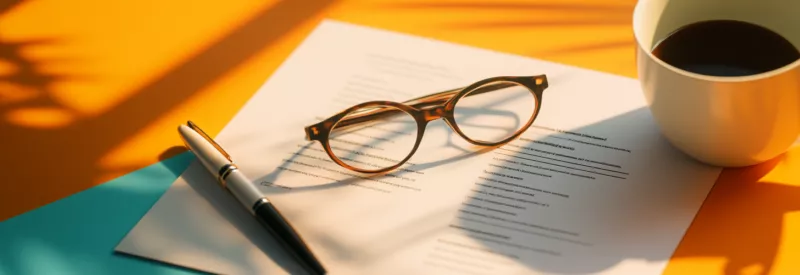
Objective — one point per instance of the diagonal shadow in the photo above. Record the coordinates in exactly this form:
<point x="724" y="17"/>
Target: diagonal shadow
<point x="622" y="22"/>
<point x="613" y="44"/>
<point x="498" y="5"/>
<point x="577" y="14"/>
<point x="742" y="211"/>
<point x="85" y="142"/>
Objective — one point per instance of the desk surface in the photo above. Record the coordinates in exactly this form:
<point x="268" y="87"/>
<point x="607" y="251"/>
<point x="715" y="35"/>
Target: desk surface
<point x="91" y="90"/>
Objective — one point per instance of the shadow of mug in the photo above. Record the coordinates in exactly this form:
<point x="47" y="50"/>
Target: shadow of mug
<point x="728" y="121"/>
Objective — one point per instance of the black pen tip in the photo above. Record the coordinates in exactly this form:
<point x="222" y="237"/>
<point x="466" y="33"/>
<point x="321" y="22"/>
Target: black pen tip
<point x="317" y="268"/>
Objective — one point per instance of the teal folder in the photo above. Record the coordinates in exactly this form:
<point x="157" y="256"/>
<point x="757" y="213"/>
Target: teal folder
<point x="77" y="234"/>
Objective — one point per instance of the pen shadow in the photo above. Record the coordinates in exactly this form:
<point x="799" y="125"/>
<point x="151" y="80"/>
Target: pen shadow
<point x="170" y="153"/>
<point x="194" y="233"/>
<point x="228" y="207"/>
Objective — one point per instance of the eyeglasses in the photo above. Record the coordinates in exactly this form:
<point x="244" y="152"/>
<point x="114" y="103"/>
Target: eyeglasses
<point x="379" y="136"/>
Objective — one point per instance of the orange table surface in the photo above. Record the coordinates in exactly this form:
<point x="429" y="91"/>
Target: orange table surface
<point x="91" y="90"/>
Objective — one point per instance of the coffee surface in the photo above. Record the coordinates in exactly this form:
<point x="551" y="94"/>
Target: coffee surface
<point x="726" y="48"/>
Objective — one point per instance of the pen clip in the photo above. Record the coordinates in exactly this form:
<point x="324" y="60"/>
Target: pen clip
<point x="209" y="139"/>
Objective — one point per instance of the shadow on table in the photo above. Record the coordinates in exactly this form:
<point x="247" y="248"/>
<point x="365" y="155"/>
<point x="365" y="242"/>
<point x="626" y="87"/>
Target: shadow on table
<point x="545" y="14"/>
<point x="742" y="220"/>
<point x="25" y="94"/>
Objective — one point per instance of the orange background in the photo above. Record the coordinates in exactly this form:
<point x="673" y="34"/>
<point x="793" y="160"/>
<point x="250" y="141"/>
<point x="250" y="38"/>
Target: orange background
<point x="91" y="90"/>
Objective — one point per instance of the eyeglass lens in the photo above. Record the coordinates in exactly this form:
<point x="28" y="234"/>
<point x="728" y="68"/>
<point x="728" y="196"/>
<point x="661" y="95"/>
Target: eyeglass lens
<point x="377" y="143"/>
<point x="496" y="115"/>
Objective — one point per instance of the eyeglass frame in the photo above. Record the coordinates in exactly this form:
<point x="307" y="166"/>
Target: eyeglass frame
<point x="425" y="109"/>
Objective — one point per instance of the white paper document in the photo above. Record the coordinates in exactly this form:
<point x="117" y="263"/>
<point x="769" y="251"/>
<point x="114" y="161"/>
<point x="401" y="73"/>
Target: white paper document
<point x="591" y="187"/>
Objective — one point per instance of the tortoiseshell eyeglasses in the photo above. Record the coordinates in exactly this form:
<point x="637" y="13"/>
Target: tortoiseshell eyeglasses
<point x="379" y="136"/>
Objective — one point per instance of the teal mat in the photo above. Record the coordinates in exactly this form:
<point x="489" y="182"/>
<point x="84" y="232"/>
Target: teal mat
<point x="77" y="234"/>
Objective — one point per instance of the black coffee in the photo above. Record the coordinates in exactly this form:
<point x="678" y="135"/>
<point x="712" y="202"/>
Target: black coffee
<point x="726" y="48"/>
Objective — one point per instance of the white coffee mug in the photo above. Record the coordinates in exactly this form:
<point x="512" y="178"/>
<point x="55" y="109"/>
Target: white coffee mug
<point x="721" y="121"/>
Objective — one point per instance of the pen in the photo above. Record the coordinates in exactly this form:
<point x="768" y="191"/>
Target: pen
<point x="219" y="164"/>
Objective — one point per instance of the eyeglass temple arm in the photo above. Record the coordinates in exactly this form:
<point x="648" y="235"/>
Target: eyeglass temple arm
<point x="435" y="99"/>
<point x="442" y="97"/>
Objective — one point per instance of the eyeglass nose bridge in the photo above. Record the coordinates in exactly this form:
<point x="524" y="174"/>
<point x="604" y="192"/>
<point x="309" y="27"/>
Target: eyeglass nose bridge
<point x="434" y="113"/>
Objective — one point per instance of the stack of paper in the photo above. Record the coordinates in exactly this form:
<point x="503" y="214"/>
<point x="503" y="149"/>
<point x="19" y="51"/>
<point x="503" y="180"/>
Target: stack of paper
<point x="592" y="187"/>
